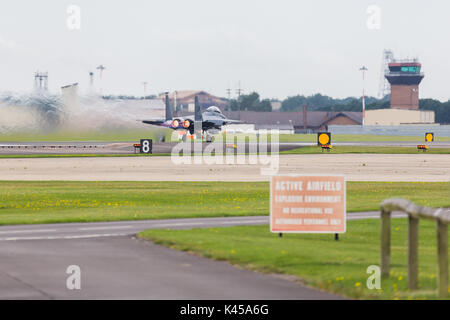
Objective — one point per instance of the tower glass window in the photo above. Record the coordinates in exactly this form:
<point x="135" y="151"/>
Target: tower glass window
<point x="410" y="69"/>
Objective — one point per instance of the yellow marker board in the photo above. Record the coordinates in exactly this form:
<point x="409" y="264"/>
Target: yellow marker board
<point x="323" y="138"/>
<point x="429" y="137"/>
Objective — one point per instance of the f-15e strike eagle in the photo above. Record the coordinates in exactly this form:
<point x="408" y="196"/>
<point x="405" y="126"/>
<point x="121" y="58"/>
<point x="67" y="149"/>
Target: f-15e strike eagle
<point x="212" y="119"/>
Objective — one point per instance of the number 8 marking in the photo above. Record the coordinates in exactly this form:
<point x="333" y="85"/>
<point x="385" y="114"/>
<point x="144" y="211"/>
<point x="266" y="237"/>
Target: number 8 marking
<point x="146" y="146"/>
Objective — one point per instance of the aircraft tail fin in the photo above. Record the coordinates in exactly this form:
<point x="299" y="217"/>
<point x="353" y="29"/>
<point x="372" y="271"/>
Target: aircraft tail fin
<point x="168" y="108"/>
<point x="198" y="112"/>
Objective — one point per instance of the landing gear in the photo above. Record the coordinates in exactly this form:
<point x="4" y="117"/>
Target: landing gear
<point x="202" y="136"/>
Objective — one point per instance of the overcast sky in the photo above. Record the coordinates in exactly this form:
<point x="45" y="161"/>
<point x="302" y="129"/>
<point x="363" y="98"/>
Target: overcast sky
<point x="277" y="48"/>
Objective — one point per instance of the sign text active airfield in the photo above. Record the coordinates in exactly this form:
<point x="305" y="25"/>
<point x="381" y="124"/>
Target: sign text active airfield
<point x="308" y="204"/>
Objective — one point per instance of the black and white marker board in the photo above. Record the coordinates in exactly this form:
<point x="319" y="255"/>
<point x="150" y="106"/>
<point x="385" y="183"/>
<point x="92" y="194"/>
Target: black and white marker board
<point x="146" y="145"/>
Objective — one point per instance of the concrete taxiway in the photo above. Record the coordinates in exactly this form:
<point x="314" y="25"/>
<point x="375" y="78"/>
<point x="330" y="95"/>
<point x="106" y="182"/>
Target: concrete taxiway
<point x="421" y="167"/>
<point x="116" y="265"/>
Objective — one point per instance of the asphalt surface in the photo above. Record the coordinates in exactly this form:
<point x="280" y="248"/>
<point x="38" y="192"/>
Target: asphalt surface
<point x="116" y="265"/>
<point x="117" y="148"/>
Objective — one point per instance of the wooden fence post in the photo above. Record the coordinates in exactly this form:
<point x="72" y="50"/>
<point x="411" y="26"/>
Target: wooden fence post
<point x="385" y="242"/>
<point x="415" y="213"/>
<point x="413" y="246"/>
<point x="442" y="239"/>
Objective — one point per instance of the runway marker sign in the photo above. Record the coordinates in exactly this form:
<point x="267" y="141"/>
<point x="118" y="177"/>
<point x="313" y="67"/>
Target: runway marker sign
<point x="308" y="204"/>
<point x="323" y="138"/>
<point x="146" y="145"/>
<point x="429" y="137"/>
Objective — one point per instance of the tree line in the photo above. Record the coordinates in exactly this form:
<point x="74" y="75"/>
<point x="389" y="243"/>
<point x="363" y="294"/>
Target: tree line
<point x="250" y="102"/>
<point x="320" y="102"/>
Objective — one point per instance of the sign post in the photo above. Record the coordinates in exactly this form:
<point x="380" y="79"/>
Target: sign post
<point x="308" y="204"/>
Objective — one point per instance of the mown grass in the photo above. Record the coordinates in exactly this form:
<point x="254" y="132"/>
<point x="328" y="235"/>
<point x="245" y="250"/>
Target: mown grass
<point x="28" y="202"/>
<point x="365" y="150"/>
<point x="302" y="150"/>
<point x="125" y="135"/>
<point x="119" y="135"/>
<point x="317" y="260"/>
<point x="341" y="138"/>
<point x="100" y="155"/>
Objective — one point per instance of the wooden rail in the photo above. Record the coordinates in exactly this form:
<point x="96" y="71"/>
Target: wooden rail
<point x="442" y="218"/>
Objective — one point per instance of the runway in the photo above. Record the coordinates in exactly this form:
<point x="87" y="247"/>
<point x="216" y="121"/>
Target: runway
<point x="121" y="148"/>
<point x="116" y="265"/>
<point x="421" y="167"/>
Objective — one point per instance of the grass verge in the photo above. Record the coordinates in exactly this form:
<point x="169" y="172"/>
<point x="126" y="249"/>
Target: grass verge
<point x="317" y="260"/>
<point x="31" y="202"/>
<point x="126" y="135"/>
<point x="120" y="135"/>
<point x="342" y="138"/>
<point x="365" y="150"/>
<point x="99" y="155"/>
<point x="302" y="150"/>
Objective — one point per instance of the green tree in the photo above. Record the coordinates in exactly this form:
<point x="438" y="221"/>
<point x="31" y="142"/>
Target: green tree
<point x="251" y="102"/>
<point x="441" y="109"/>
<point x="265" y="105"/>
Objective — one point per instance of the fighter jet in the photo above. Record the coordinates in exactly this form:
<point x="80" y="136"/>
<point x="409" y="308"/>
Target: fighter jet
<point x="211" y="120"/>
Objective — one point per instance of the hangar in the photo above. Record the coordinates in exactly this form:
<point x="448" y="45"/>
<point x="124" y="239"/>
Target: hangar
<point x="299" y="122"/>
<point x="184" y="100"/>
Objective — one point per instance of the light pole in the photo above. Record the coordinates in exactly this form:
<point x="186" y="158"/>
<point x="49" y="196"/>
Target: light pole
<point x="145" y="83"/>
<point x="363" y="69"/>
<point x="101" y="68"/>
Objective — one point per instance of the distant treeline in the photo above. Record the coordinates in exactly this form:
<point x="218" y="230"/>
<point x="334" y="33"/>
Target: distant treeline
<point x="320" y="102"/>
<point x="250" y="102"/>
<point x="442" y="109"/>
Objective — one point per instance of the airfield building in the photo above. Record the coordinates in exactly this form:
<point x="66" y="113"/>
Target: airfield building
<point x="298" y="122"/>
<point x="183" y="100"/>
<point x="404" y="77"/>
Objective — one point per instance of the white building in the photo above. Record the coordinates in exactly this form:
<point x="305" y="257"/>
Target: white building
<point x="394" y="117"/>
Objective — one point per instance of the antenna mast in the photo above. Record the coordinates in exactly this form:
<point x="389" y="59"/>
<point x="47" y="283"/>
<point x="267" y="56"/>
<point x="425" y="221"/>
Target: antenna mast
<point x="41" y="81"/>
<point x="385" y="87"/>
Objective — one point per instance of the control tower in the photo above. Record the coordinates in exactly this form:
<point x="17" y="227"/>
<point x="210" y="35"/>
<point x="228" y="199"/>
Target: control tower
<point x="404" y="77"/>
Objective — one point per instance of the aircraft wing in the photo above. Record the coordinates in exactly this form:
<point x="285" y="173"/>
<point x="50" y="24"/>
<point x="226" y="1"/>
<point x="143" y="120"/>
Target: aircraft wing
<point x="229" y="121"/>
<point x="153" y="122"/>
